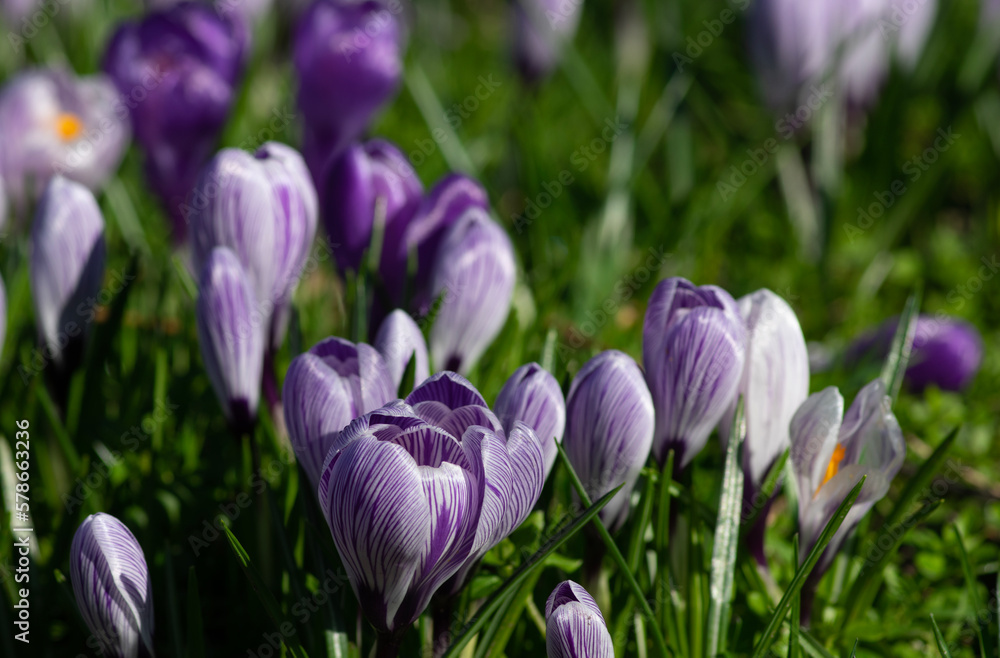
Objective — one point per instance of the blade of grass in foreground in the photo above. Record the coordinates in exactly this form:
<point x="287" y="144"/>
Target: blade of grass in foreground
<point x="727" y="534"/>
<point x="942" y="647"/>
<point x="902" y="342"/>
<point x="794" y="625"/>
<point x="970" y="583"/>
<point x="803" y="572"/>
<point x="536" y="562"/>
<point x="637" y="594"/>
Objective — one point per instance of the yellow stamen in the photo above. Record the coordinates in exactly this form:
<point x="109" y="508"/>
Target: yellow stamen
<point x="832" y="467"/>
<point x="68" y="126"/>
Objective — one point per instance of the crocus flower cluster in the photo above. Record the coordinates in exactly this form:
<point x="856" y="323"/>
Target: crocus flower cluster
<point x="177" y="71"/>
<point x="574" y="625"/>
<point x="419" y="490"/>
<point x="52" y="122"/>
<point x="111" y="582"/>
<point x="539" y="28"/>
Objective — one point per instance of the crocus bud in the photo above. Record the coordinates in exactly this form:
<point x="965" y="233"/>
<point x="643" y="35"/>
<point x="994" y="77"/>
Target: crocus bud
<point x="399" y="341"/>
<point x="830" y="453"/>
<point x="418" y="490"/>
<point x="263" y="207"/>
<point x="232" y="344"/>
<point x="325" y="389"/>
<point x="52" y="122"/>
<point x="359" y="178"/>
<point x="177" y="70"/>
<point x="533" y="396"/>
<point x="473" y="279"/>
<point x="609" y="429"/>
<point x="540" y="27"/>
<point x="693" y="345"/>
<point x="574" y="625"/>
<point x="947" y="352"/>
<point x="67" y="267"/>
<point x="112" y="587"/>
<point x="348" y="60"/>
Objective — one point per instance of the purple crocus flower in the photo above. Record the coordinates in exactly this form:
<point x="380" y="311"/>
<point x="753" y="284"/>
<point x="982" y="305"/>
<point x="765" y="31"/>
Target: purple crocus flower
<point x="947" y="352"/>
<point x="533" y="396"/>
<point x="349" y="63"/>
<point x="263" y="207"/>
<point x="67" y="267"/>
<point x="417" y="490"/>
<point x="52" y="122"/>
<point x="399" y="341"/>
<point x="325" y="389"/>
<point x="693" y="347"/>
<point x="831" y="451"/>
<point x="112" y="587"/>
<point x="177" y="71"/>
<point x="540" y="27"/>
<point x="232" y="344"/>
<point x="473" y="279"/>
<point x="574" y="625"/>
<point x="609" y="429"/>
<point x="363" y="175"/>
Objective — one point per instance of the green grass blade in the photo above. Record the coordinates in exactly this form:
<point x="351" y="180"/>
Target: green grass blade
<point x="970" y="583"/>
<point x="942" y="647"/>
<point x="803" y="572"/>
<point x="637" y="538"/>
<point x="420" y="87"/>
<point x="794" y="627"/>
<point x="923" y="477"/>
<point x="337" y="645"/>
<point x="727" y="533"/>
<point x="496" y="645"/>
<point x="902" y="342"/>
<point x="536" y="562"/>
<point x="263" y="593"/>
<point x="195" y="631"/>
<point x="767" y="489"/>
<point x="654" y="627"/>
<point x="854" y="651"/>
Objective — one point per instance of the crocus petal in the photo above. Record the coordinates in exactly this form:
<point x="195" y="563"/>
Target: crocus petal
<point x="112" y="587"/>
<point x="399" y="341"/>
<point x="609" y="429"/>
<point x="528" y="464"/>
<point x="870" y="433"/>
<point x="574" y="624"/>
<point x="232" y="344"/>
<point x="473" y="277"/>
<point x="486" y="448"/>
<point x="814" y="430"/>
<point x="449" y="388"/>
<point x="67" y="261"/>
<point x="539" y="28"/>
<point x="533" y="396"/>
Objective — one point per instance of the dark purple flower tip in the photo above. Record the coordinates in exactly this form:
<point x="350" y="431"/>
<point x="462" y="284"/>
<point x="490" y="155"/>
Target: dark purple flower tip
<point x="539" y="28"/>
<point x="349" y="63"/>
<point x="112" y="586"/>
<point x="575" y="625"/>
<point x="366" y="174"/>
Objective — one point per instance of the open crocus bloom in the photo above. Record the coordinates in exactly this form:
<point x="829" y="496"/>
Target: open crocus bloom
<point x="420" y="489"/>
<point x="831" y="455"/>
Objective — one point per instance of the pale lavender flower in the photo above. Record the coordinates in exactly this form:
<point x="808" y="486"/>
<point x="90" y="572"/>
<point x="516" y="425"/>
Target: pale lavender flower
<point x="540" y="27"/>
<point x="533" y="396"/>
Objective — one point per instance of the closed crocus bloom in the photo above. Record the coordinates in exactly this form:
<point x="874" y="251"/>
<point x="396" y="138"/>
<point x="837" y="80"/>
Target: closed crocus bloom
<point x="52" y="122"/>
<point x="693" y="348"/>
<point x="473" y="276"/>
<point x="67" y="267"/>
<point x="417" y="490"/>
<point x="263" y="207"/>
<point x="177" y="71"/>
<point x="574" y="625"/>
<point x="399" y="341"/>
<point x="609" y="429"/>
<point x="111" y="582"/>
<point x="232" y="344"/>
<point x="363" y="175"/>
<point x="830" y="453"/>
<point x="533" y="396"/>
<point x="540" y="27"/>
<point x="325" y="389"/>
<point x="348" y="60"/>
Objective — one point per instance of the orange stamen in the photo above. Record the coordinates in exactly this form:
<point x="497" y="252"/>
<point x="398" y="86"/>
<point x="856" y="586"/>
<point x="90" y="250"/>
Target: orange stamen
<point x="68" y="126"/>
<point x="832" y="467"/>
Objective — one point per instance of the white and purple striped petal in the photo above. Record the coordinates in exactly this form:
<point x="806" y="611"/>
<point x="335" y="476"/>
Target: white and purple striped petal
<point x="67" y="263"/>
<point x="693" y="345"/>
<point x="609" y="429"/>
<point x="533" y="396"/>
<point x="574" y="625"/>
<point x="112" y="587"/>
<point x="325" y="389"/>
<point x="399" y="341"/>
<point x="473" y="282"/>
<point x="232" y="342"/>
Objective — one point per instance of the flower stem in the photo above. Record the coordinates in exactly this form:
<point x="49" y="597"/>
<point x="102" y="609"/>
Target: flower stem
<point x="388" y="645"/>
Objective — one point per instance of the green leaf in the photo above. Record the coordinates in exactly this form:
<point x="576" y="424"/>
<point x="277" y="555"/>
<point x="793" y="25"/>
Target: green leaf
<point x="854" y="651"/>
<point x="495" y="646"/>
<point x="942" y="647"/>
<point x="803" y="571"/>
<point x="794" y="622"/>
<point x="923" y="477"/>
<point x="902" y="342"/>
<point x="408" y="381"/>
<point x="970" y="583"/>
<point x="337" y="645"/>
<point x="263" y="593"/>
<point x="767" y="489"/>
<point x="536" y="562"/>
<point x="195" y="632"/>
<point x="616" y="555"/>
<point x="727" y="533"/>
